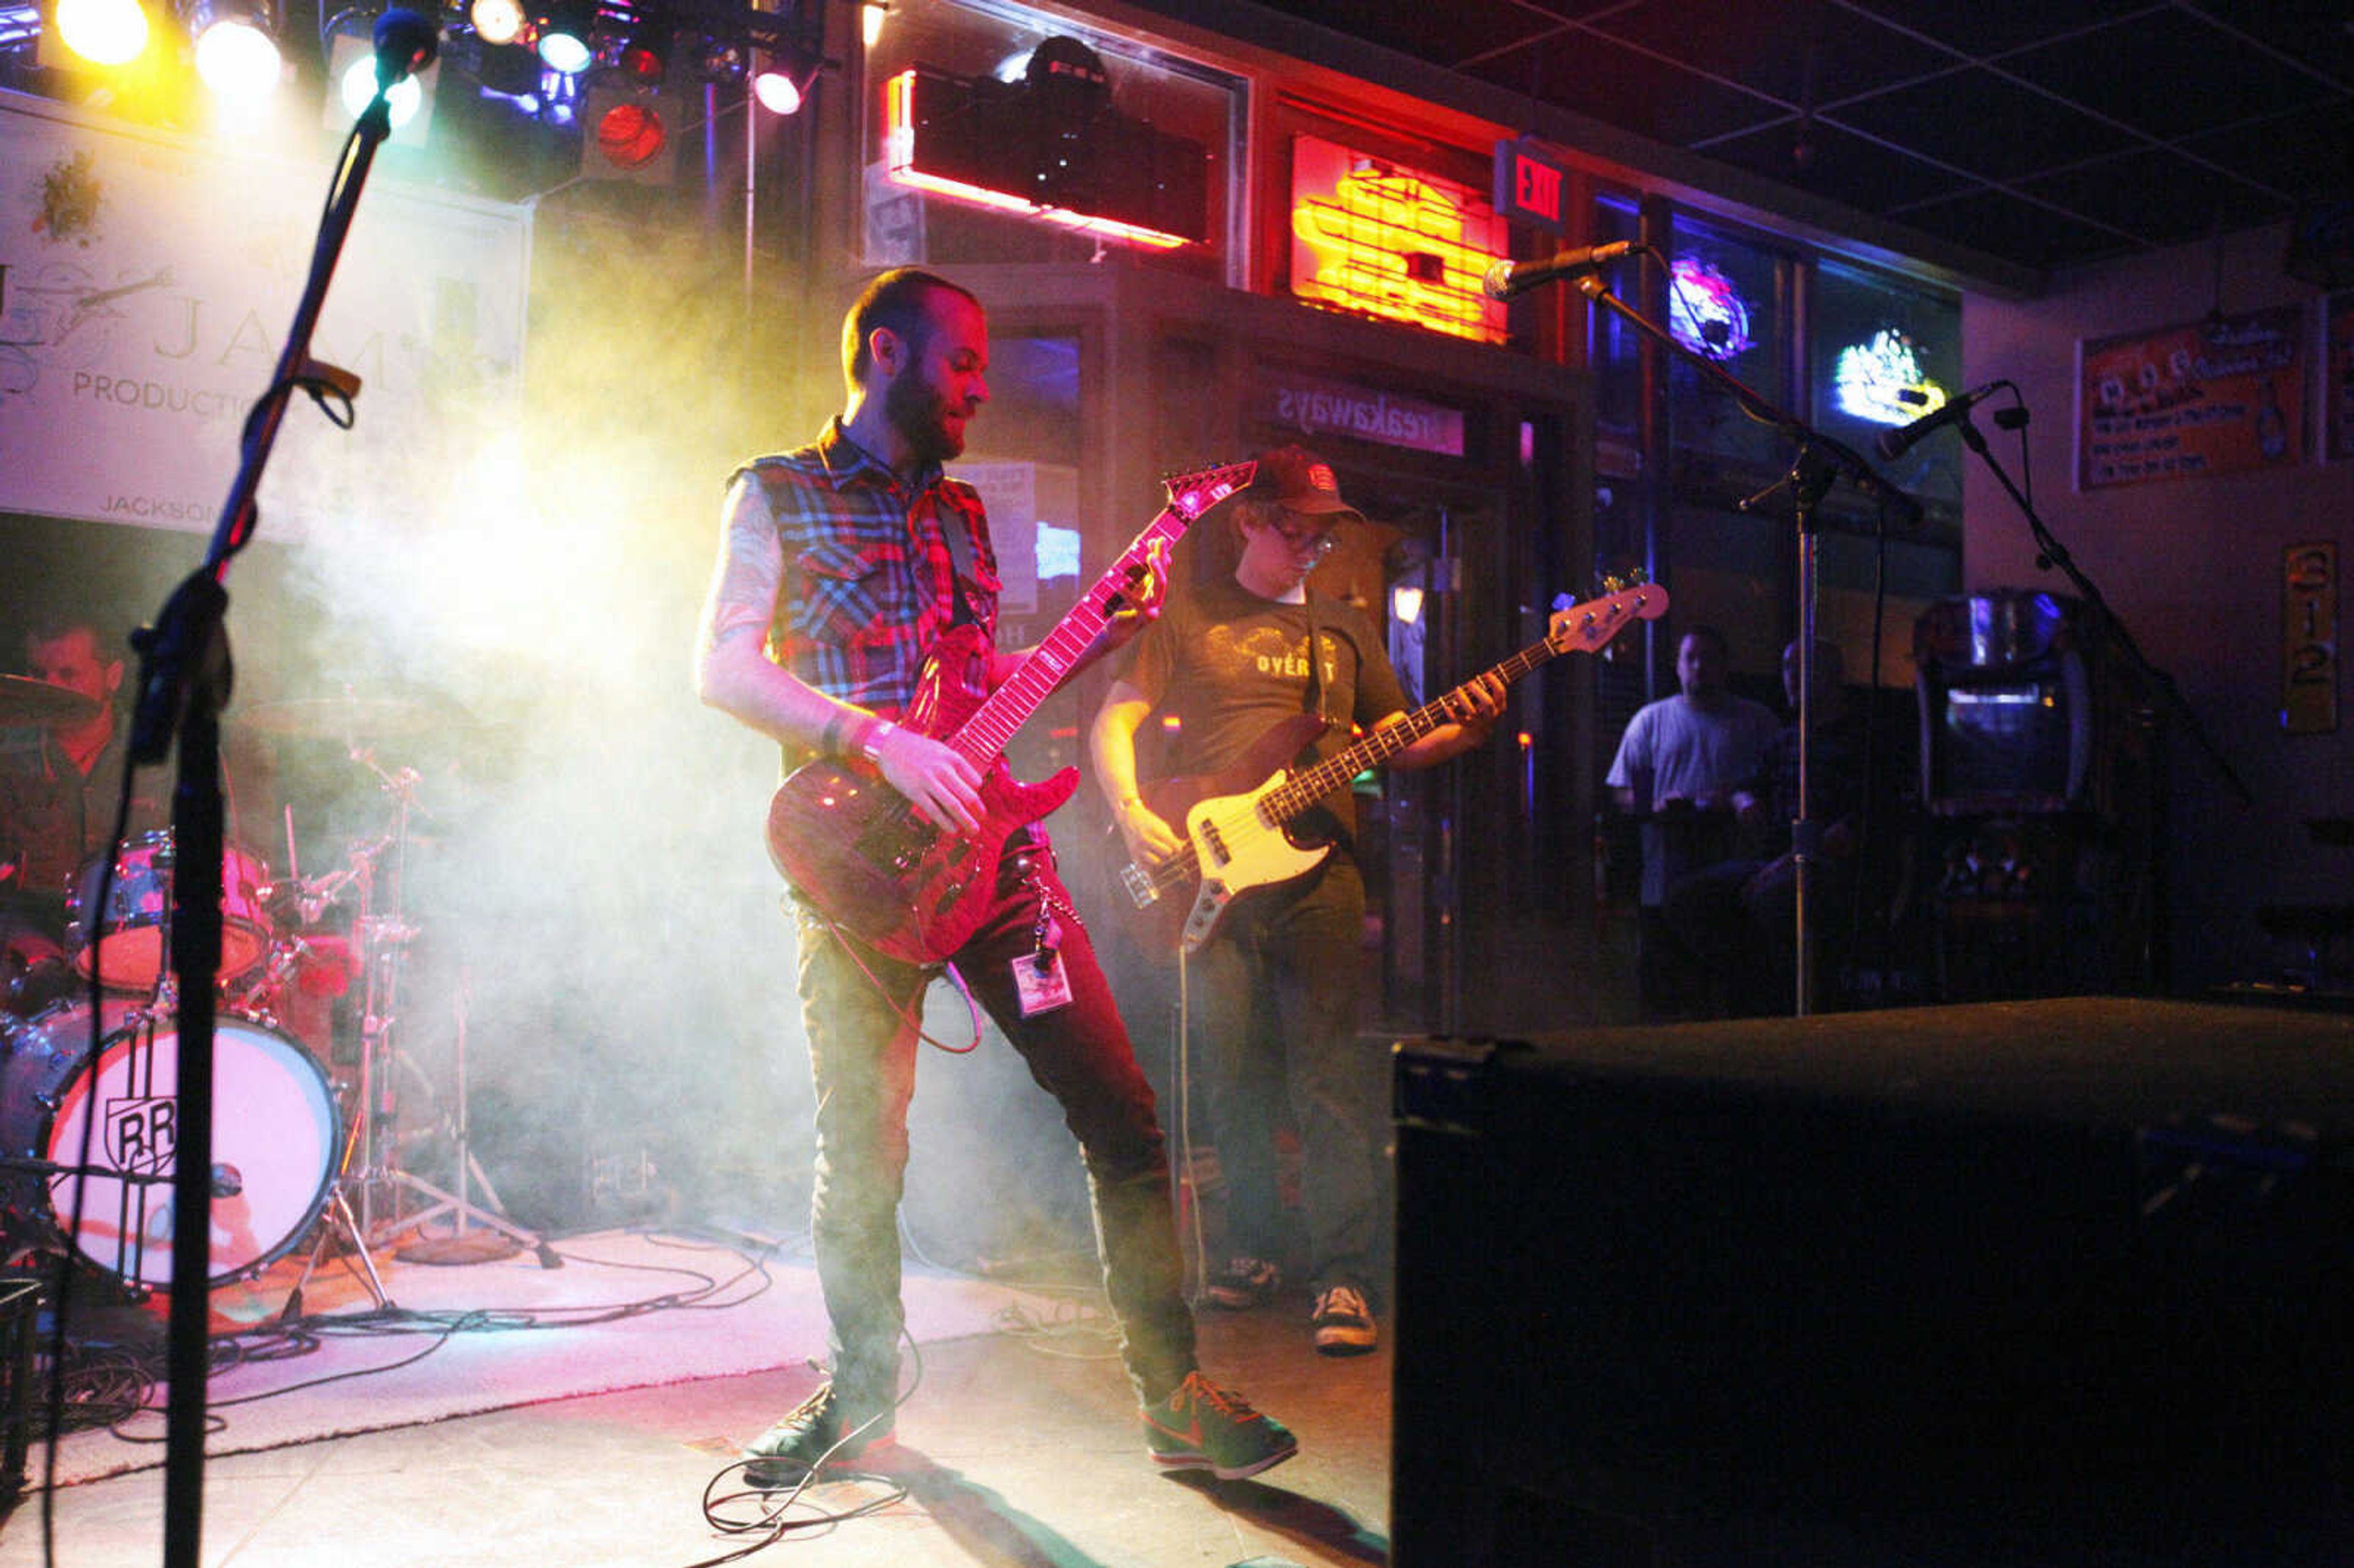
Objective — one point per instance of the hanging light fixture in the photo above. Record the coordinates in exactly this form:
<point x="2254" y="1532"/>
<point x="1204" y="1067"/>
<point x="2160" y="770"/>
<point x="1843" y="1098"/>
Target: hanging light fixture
<point x="497" y="21"/>
<point x="237" y="47"/>
<point x="564" y="42"/>
<point x="784" y="80"/>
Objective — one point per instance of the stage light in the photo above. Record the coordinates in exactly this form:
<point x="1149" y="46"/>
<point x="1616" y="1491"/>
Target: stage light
<point x="358" y="91"/>
<point x="870" y="22"/>
<point x="497" y="21"/>
<point x="103" y="32"/>
<point x="783" y="81"/>
<point x="644" y="58"/>
<point x="564" y="42"/>
<point x="236" y="56"/>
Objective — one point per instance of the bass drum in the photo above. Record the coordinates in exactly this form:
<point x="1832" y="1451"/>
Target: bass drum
<point x="276" y="1137"/>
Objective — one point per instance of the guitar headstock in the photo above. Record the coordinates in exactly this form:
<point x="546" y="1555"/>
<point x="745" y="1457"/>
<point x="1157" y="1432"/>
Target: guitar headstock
<point x="1194" y="493"/>
<point x="1591" y="625"/>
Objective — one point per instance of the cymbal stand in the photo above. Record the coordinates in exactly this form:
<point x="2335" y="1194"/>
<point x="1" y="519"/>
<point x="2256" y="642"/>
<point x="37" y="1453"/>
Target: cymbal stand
<point x="384" y="945"/>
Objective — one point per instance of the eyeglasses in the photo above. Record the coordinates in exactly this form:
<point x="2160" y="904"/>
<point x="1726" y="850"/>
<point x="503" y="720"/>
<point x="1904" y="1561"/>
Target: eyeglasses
<point x="1307" y="537"/>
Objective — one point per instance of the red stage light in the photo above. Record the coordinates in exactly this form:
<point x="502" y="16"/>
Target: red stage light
<point x="630" y="135"/>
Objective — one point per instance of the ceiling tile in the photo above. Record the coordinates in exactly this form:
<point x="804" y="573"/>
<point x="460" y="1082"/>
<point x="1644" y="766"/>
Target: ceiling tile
<point x="1765" y="45"/>
<point x="2309" y="152"/>
<point x="2168" y="74"/>
<point x="1983" y="29"/>
<point x="2159" y="197"/>
<point x="2317" y="35"/>
<point x="1977" y="122"/>
<point x="1610" y="83"/>
<point x="2005" y="226"/>
<point x="1846" y="168"/>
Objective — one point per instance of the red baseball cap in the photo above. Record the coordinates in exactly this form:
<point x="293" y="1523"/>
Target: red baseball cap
<point x="1298" y="481"/>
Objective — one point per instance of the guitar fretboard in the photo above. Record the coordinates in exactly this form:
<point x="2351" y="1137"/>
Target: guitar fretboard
<point x="1312" y="784"/>
<point x="984" y="736"/>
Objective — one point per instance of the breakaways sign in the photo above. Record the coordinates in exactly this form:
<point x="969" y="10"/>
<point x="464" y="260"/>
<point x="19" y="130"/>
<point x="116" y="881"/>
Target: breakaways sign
<point x="147" y="283"/>
<point x="1316" y="406"/>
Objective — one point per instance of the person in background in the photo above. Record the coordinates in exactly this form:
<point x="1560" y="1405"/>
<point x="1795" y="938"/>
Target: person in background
<point x="1684" y="765"/>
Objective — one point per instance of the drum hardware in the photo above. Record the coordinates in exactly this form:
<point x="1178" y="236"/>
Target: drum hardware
<point x="383" y="939"/>
<point x="276" y="1137"/>
<point x="24" y="701"/>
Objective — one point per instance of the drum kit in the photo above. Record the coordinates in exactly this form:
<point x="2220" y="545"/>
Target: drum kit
<point x="307" y="1138"/>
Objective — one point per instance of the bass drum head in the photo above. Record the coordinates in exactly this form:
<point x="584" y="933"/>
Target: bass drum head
<point x="276" y="1137"/>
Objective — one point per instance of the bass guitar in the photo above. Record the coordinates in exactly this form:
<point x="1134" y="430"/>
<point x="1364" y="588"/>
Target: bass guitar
<point x="856" y="847"/>
<point x="1235" y="838"/>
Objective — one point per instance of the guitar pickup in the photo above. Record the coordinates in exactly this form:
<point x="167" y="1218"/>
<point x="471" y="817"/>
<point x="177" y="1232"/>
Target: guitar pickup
<point x="1138" y="886"/>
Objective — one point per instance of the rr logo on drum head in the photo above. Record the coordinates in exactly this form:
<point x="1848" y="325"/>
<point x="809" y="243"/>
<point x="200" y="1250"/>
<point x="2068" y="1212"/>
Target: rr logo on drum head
<point x="142" y="1135"/>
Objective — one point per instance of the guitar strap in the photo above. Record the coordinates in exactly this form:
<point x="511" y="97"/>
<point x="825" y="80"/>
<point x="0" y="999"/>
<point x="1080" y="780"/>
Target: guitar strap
<point x="963" y="559"/>
<point x="1316" y="694"/>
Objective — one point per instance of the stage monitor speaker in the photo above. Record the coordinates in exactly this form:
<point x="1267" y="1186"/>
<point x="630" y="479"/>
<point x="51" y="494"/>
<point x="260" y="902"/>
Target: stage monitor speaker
<point x="2049" y="1283"/>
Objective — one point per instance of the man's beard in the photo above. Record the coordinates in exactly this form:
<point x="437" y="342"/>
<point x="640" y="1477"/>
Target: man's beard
<point x="919" y="414"/>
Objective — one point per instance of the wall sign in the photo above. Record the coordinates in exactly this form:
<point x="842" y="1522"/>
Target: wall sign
<point x="1385" y="241"/>
<point x="1316" y="406"/>
<point x="147" y="283"/>
<point x="2309" y="638"/>
<point x="2217" y="397"/>
<point x="1531" y="187"/>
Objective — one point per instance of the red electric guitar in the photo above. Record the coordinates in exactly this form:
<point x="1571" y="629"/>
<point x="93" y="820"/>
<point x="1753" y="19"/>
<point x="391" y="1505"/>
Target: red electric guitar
<point x="1234" y="834"/>
<point x="856" y="847"/>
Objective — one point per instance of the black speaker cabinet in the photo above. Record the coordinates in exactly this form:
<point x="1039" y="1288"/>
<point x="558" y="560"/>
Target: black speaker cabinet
<point x="2044" y="1283"/>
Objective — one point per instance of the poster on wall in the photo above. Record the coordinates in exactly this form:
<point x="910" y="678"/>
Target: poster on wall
<point x="2338" y="393"/>
<point x="2309" y="638"/>
<point x="2215" y="397"/>
<point x="147" y="284"/>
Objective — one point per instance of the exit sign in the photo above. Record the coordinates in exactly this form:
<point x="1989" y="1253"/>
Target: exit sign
<point x="1530" y="186"/>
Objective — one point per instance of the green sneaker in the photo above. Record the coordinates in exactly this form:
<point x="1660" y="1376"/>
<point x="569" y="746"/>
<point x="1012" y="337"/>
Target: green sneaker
<point x="816" y="1432"/>
<point x="1205" y="1427"/>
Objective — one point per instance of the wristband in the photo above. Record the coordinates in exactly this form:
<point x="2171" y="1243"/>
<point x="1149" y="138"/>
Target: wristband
<point x="870" y="745"/>
<point x="829" y="743"/>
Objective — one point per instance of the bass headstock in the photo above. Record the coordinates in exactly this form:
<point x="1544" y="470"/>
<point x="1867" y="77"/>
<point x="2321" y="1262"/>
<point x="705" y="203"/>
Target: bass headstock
<point x="1621" y="603"/>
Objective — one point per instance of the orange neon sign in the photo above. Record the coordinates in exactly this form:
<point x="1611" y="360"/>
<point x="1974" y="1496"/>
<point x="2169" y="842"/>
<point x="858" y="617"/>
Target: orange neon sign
<point x="1392" y="242"/>
<point x="899" y="165"/>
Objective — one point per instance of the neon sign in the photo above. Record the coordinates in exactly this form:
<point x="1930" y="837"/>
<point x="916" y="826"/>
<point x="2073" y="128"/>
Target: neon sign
<point x="1705" y="311"/>
<point x="1392" y="242"/>
<point x="1880" y="380"/>
<point x="899" y="165"/>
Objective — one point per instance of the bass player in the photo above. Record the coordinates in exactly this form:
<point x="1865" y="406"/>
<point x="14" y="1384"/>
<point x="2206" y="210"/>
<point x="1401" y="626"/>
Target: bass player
<point x="840" y="565"/>
<point x="1274" y="991"/>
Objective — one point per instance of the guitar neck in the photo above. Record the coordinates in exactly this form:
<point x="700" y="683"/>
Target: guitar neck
<point x="1312" y="784"/>
<point x="983" y="738"/>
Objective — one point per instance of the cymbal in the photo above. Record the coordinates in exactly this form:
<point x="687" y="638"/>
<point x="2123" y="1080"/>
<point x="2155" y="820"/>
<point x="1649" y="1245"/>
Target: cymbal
<point x="24" y="700"/>
<point x="350" y="715"/>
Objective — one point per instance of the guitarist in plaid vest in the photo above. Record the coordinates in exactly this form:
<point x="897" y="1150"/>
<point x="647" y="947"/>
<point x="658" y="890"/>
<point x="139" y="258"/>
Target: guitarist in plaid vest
<point x="839" y="566"/>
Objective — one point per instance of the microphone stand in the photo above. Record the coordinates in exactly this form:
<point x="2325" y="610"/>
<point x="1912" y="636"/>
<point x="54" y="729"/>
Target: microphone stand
<point x="1817" y="464"/>
<point x="184" y="681"/>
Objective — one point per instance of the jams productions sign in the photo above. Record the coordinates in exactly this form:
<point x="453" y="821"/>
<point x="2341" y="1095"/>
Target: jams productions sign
<point x="147" y="284"/>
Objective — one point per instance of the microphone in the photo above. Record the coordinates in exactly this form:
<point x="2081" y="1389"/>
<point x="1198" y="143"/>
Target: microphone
<point x="406" y="43"/>
<point x="1894" y="444"/>
<point x="1506" y="278"/>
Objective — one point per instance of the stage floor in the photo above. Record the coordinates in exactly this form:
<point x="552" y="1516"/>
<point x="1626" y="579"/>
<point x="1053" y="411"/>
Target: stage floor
<point x="1017" y="1449"/>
